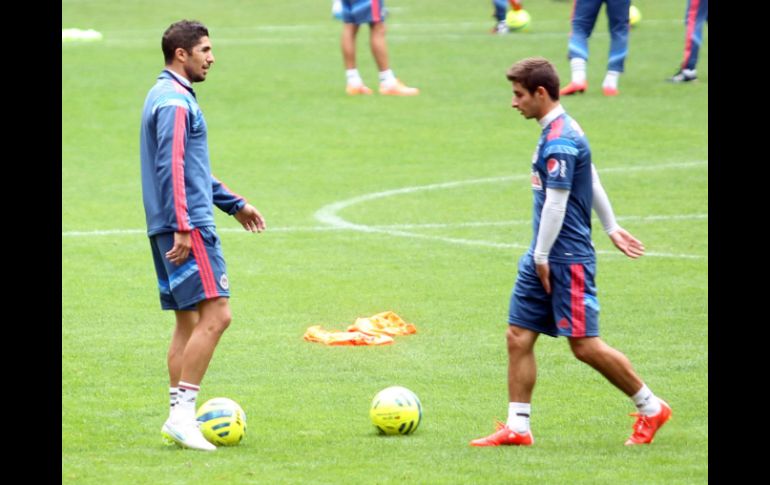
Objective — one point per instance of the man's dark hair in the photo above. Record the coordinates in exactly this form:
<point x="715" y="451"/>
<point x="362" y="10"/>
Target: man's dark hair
<point x="185" y="34"/>
<point x="533" y="72"/>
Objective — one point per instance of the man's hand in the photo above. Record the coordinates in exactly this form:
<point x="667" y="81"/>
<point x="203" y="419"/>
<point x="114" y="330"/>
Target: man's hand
<point x="544" y="272"/>
<point x="628" y="244"/>
<point x="182" y="244"/>
<point x="250" y="218"/>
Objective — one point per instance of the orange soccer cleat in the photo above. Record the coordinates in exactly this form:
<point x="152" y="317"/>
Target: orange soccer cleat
<point x="505" y="436"/>
<point x="355" y="89"/>
<point x="398" y="89"/>
<point x="645" y="427"/>
<point x="573" y="88"/>
<point x="608" y="91"/>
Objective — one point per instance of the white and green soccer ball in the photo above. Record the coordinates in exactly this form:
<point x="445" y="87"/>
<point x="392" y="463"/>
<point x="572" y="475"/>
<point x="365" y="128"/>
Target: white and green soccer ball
<point x="222" y="421"/>
<point x="396" y="410"/>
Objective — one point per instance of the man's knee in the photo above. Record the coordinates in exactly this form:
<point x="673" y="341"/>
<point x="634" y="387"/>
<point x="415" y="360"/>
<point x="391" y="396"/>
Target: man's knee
<point x="586" y="349"/>
<point x="219" y="315"/>
<point x="518" y="340"/>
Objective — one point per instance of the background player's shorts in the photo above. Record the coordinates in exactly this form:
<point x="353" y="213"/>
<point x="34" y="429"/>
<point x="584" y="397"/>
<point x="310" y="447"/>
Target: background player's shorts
<point x="201" y="277"/>
<point x="571" y="310"/>
<point x="363" y="11"/>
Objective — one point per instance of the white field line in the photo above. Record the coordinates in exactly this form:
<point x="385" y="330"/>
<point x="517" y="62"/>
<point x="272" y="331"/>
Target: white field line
<point x="329" y="213"/>
<point x="428" y="225"/>
<point x="333" y="222"/>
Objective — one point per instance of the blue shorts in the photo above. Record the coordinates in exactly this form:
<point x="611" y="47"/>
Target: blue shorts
<point x="571" y="310"/>
<point x="363" y="11"/>
<point x="201" y="277"/>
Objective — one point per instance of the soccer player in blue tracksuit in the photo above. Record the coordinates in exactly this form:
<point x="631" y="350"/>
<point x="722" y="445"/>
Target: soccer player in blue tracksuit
<point x="695" y="14"/>
<point x="179" y="193"/>
<point x="584" y="16"/>
<point x="555" y="293"/>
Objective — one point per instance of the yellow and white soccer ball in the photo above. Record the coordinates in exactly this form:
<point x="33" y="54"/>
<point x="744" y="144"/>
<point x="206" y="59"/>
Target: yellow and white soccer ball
<point x="222" y="421"/>
<point x="396" y="410"/>
<point x="634" y="16"/>
<point x="517" y="19"/>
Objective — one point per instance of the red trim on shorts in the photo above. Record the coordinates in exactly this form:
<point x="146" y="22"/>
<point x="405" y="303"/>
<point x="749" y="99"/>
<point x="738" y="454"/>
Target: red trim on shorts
<point x="577" y="292"/>
<point x="204" y="265"/>
<point x="376" y="11"/>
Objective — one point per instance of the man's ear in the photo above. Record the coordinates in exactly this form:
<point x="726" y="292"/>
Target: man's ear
<point x="180" y="54"/>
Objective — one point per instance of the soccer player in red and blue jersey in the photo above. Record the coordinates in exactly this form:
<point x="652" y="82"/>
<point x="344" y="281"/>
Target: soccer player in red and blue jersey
<point x="555" y="293"/>
<point x="179" y="193"/>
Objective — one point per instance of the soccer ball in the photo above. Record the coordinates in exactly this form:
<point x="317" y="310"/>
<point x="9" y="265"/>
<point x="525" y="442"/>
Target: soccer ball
<point x="634" y="16"/>
<point x="337" y="9"/>
<point x="517" y="19"/>
<point x="396" y="410"/>
<point x="222" y="421"/>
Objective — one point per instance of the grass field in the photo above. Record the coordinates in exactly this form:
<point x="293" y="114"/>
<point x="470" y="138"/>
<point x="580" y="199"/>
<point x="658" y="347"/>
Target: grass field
<point x="417" y="205"/>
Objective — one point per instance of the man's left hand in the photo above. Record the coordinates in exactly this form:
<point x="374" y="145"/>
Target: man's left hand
<point x="544" y="272"/>
<point x="250" y="218"/>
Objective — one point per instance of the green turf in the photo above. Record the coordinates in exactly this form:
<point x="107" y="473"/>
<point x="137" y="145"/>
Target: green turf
<point x="283" y="133"/>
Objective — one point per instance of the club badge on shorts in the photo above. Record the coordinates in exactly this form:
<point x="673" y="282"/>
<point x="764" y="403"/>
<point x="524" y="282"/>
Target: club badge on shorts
<point x="223" y="282"/>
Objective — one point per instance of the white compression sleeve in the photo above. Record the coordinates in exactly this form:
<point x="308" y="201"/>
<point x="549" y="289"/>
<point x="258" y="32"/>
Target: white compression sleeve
<point x="602" y="204"/>
<point x="551" y="219"/>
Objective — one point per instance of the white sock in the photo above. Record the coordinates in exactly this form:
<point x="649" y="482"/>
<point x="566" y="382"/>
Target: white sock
<point x="688" y="72"/>
<point x="172" y="393"/>
<point x="518" y="416"/>
<point x="185" y="401"/>
<point x="387" y="77"/>
<point x="353" y="77"/>
<point x="611" y="80"/>
<point x="578" y="67"/>
<point x="646" y="402"/>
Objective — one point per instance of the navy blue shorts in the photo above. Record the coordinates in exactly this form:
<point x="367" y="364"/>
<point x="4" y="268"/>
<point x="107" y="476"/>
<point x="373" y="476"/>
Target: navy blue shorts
<point x="202" y="276"/>
<point x="363" y="11"/>
<point x="571" y="310"/>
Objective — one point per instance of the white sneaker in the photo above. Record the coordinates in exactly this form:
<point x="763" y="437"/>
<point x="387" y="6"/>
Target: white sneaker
<point x="186" y="434"/>
<point x="165" y="437"/>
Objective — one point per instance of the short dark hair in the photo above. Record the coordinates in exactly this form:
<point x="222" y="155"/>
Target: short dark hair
<point x="533" y="72"/>
<point x="184" y="34"/>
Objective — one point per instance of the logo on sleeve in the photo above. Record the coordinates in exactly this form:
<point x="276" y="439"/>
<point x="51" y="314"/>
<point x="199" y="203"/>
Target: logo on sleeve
<point x="223" y="282"/>
<point x="553" y="167"/>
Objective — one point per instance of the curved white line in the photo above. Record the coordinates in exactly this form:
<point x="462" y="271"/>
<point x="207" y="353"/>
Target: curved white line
<point x="328" y="213"/>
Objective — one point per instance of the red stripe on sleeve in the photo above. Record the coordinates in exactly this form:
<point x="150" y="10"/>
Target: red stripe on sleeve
<point x="177" y="170"/>
<point x="228" y="188"/>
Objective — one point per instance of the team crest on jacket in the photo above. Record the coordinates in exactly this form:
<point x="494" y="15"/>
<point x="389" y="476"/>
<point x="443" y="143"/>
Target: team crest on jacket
<point x="223" y="282"/>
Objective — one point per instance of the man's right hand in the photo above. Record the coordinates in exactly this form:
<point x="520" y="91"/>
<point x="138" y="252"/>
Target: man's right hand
<point x="182" y="245"/>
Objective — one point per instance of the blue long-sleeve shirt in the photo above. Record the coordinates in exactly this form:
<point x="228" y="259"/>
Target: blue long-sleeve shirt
<point x="178" y="188"/>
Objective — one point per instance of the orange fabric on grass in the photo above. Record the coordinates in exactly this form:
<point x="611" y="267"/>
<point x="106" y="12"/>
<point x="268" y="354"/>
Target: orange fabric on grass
<point x="317" y="334"/>
<point x="378" y="329"/>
